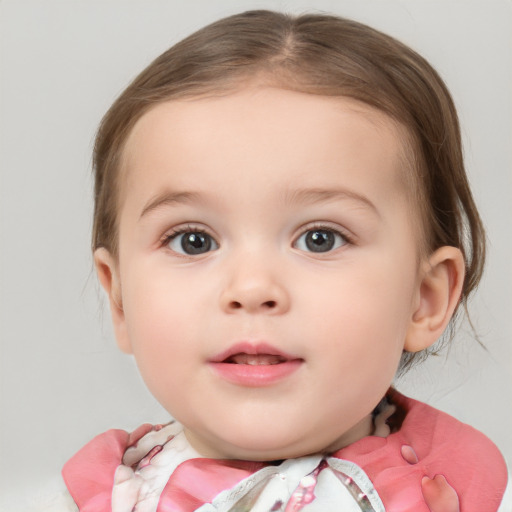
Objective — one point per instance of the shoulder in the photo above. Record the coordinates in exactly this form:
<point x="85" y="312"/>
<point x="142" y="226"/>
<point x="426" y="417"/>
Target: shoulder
<point x="448" y="443"/>
<point x="506" y="504"/>
<point x="59" y="502"/>
<point x="470" y="462"/>
<point x="89" y="474"/>
<point x="427" y="442"/>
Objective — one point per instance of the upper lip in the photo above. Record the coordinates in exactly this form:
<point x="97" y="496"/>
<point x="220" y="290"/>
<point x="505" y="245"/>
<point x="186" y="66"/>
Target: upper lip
<point x="251" y="349"/>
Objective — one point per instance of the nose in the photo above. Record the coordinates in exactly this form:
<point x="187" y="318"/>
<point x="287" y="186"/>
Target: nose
<point x="254" y="288"/>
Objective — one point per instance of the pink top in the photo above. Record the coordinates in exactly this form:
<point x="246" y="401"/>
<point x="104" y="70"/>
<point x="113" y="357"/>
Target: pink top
<point x="428" y="443"/>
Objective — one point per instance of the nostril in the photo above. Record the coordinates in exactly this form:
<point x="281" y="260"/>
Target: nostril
<point x="250" y="306"/>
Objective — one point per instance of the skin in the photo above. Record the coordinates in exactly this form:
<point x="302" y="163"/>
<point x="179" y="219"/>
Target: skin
<point x="256" y="171"/>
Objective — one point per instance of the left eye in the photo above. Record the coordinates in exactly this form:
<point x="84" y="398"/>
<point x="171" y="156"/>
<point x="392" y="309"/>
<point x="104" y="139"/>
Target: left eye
<point x="320" y="240"/>
<point x="192" y="243"/>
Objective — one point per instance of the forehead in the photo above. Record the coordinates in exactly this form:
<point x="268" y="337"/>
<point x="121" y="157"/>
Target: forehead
<point x="259" y="130"/>
<point x="243" y="155"/>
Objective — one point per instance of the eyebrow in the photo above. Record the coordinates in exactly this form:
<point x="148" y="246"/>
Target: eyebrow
<point x="301" y="196"/>
<point x="168" y="198"/>
<point x="321" y="195"/>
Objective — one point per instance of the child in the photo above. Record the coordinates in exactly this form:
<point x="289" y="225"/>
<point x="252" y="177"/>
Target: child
<point x="282" y="221"/>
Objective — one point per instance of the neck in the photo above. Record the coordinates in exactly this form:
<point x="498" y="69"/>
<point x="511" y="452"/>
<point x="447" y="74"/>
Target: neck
<point x="362" y="429"/>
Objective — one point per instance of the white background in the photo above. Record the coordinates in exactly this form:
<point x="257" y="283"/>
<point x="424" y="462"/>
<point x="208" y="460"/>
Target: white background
<point x="61" y="65"/>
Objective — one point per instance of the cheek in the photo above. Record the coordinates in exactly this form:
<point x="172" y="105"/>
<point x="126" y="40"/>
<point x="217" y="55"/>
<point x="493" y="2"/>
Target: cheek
<point x="164" y="352"/>
<point x="155" y="299"/>
<point x="364" y="313"/>
<point x="160" y="325"/>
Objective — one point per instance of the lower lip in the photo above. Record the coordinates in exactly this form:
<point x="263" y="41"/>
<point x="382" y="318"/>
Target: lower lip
<point x="256" y="375"/>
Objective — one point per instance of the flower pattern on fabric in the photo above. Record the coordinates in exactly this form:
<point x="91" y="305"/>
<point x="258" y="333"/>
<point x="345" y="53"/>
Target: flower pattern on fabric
<point x="423" y="461"/>
<point x="147" y="465"/>
<point x="306" y="484"/>
<point x="292" y="486"/>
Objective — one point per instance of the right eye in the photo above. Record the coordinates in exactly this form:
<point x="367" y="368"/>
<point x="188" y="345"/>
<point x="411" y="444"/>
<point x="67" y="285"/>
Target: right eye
<point x="191" y="242"/>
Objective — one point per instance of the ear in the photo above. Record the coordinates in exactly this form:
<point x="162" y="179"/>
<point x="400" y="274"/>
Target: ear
<point x="108" y="274"/>
<point x="438" y="294"/>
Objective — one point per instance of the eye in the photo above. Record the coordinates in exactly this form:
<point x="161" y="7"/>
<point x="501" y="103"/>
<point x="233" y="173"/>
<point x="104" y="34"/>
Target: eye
<point x="320" y="240"/>
<point x="191" y="242"/>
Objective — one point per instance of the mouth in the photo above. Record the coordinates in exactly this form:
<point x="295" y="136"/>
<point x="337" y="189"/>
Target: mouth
<point x="256" y="365"/>
<point x="255" y="359"/>
<point x="254" y="354"/>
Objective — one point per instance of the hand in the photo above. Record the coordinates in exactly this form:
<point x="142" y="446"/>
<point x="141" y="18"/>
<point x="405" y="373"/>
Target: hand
<point x="439" y="495"/>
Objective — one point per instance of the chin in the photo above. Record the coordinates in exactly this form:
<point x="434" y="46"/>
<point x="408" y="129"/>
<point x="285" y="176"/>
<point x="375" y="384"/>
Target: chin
<point x="266" y="448"/>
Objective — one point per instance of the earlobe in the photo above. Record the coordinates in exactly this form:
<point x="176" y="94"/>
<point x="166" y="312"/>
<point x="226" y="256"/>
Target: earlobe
<point x="439" y="293"/>
<point x="108" y="275"/>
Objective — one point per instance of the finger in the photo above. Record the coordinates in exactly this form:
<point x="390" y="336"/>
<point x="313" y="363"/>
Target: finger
<point x="439" y="495"/>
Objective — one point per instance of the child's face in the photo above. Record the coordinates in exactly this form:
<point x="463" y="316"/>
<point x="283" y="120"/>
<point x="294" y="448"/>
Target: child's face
<point x="264" y="227"/>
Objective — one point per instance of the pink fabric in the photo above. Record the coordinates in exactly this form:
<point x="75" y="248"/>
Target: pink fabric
<point x="89" y="475"/>
<point x="198" y="481"/>
<point x="469" y="461"/>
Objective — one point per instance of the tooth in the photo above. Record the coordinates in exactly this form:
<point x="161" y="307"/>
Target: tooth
<point x="256" y="359"/>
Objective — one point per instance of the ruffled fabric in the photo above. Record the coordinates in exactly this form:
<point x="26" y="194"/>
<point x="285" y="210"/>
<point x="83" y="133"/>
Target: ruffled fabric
<point x="469" y="461"/>
<point x="89" y="475"/>
<point x="432" y="462"/>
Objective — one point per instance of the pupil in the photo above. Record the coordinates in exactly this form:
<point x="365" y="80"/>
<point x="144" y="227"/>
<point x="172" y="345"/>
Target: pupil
<point x="320" y="241"/>
<point x="195" y="243"/>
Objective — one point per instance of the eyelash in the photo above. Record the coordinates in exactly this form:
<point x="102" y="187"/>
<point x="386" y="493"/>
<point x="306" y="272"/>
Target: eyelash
<point x="180" y="231"/>
<point x="176" y="232"/>
<point x="346" y="237"/>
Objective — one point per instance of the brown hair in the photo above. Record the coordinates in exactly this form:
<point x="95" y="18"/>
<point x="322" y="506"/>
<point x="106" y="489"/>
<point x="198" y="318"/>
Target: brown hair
<point x="316" y="54"/>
